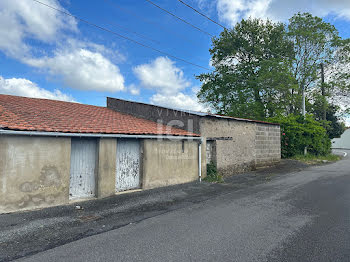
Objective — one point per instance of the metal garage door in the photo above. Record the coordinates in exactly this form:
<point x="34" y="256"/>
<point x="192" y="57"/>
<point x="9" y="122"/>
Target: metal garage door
<point x="82" y="168"/>
<point x="128" y="164"/>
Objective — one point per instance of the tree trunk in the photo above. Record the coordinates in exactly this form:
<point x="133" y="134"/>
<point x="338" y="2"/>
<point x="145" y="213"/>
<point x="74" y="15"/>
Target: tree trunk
<point x="303" y="100"/>
<point x="324" y="108"/>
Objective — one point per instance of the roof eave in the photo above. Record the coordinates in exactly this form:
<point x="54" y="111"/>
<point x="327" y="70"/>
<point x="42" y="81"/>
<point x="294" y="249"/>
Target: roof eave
<point x="97" y="135"/>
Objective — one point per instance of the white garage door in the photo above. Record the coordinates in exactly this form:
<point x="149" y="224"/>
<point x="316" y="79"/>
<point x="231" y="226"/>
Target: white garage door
<point x="82" y="168"/>
<point x="128" y="164"/>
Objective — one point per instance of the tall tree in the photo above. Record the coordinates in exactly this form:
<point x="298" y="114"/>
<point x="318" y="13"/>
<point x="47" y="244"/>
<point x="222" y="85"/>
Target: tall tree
<point x="252" y="76"/>
<point x="315" y="43"/>
<point x="337" y="77"/>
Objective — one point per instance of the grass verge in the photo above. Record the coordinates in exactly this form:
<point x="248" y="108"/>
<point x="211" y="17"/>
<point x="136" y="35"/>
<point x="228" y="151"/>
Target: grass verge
<point x="313" y="159"/>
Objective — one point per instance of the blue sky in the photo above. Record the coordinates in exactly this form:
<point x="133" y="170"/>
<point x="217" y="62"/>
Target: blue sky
<point x="46" y="54"/>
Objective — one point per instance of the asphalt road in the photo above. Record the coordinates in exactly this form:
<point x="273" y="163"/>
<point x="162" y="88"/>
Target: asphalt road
<point x="302" y="216"/>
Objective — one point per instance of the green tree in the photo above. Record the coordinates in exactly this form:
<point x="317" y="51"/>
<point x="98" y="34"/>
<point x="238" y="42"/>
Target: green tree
<point x="333" y="125"/>
<point x="337" y="76"/>
<point x="252" y="76"/>
<point x="315" y="43"/>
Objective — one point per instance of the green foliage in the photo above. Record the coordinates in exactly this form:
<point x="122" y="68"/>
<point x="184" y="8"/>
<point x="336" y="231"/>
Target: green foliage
<point x="261" y="67"/>
<point x="298" y="132"/>
<point x="212" y="174"/>
<point x="252" y="76"/>
<point x="334" y="127"/>
<point x="314" y="42"/>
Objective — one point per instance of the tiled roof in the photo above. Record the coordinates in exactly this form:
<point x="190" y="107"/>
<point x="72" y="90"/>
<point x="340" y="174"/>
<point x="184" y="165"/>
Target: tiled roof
<point x="33" y="114"/>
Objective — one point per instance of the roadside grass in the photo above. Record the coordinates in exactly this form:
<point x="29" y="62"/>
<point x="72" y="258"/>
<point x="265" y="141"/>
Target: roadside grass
<point x="214" y="179"/>
<point x="313" y="159"/>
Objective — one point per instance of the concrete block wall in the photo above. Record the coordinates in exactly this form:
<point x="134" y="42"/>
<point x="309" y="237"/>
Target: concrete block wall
<point x="267" y="144"/>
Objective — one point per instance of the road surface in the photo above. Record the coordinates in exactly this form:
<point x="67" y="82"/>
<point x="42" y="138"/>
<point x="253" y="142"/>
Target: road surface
<point x="302" y="216"/>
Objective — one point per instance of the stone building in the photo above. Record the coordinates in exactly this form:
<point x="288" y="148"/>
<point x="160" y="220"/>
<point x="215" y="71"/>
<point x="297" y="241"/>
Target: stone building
<point x="54" y="152"/>
<point x="233" y="144"/>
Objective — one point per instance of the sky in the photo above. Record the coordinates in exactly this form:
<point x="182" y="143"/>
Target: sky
<point x="48" y="54"/>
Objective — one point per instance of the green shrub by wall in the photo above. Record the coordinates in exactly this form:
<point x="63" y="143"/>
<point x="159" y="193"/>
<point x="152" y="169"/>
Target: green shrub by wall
<point x="298" y="132"/>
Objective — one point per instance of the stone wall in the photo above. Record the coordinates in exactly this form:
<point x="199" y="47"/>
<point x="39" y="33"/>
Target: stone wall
<point x="236" y="154"/>
<point x="241" y="145"/>
<point x="167" y="162"/>
<point x="267" y="144"/>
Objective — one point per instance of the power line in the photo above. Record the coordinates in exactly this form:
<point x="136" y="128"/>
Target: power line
<point x="119" y="35"/>
<point x="128" y="30"/>
<point x="179" y="18"/>
<point x="217" y="23"/>
<point x="125" y="29"/>
<point x="112" y="3"/>
<point x="164" y="29"/>
<point x="182" y="2"/>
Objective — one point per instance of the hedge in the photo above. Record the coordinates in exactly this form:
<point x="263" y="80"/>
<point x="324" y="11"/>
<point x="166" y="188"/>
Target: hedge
<point x="298" y="132"/>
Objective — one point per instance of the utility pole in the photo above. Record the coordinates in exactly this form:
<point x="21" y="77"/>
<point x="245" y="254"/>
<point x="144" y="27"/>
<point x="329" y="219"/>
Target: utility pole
<point x="303" y="98"/>
<point x="323" y="92"/>
<point x="304" y="109"/>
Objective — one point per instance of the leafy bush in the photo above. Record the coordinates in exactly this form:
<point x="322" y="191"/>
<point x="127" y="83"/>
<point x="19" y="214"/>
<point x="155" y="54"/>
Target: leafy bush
<point x="212" y="174"/>
<point x="298" y="132"/>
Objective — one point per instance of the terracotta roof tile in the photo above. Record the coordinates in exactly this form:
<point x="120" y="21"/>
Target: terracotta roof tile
<point x="33" y="114"/>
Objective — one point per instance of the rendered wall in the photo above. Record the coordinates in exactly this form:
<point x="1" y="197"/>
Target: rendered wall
<point x="107" y="151"/>
<point x="166" y="162"/>
<point x="34" y="172"/>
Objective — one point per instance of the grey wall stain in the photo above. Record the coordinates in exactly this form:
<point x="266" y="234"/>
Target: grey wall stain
<point x="29" y="187"/>
<point x="50" y="176"/>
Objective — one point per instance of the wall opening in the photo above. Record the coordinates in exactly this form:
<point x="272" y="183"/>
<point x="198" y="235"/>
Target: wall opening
<point x="211" y="151"/>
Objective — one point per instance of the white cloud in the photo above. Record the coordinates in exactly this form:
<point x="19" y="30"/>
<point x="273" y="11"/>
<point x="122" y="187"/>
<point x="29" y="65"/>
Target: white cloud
<point x="21" y="20"/>
<point x="82" y="69"/>
<point x="25" y="87"/>
<point x="162" y="75"/>
<point x="169" y="82"/>
<point x="81" y="65"/>
<point x="177" y="101"/>
<point x="232" y="11"/>
<point x="134" y="90"/>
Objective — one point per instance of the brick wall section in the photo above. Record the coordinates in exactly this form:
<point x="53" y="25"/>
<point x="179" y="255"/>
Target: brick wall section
<point x="267" y="144"/>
